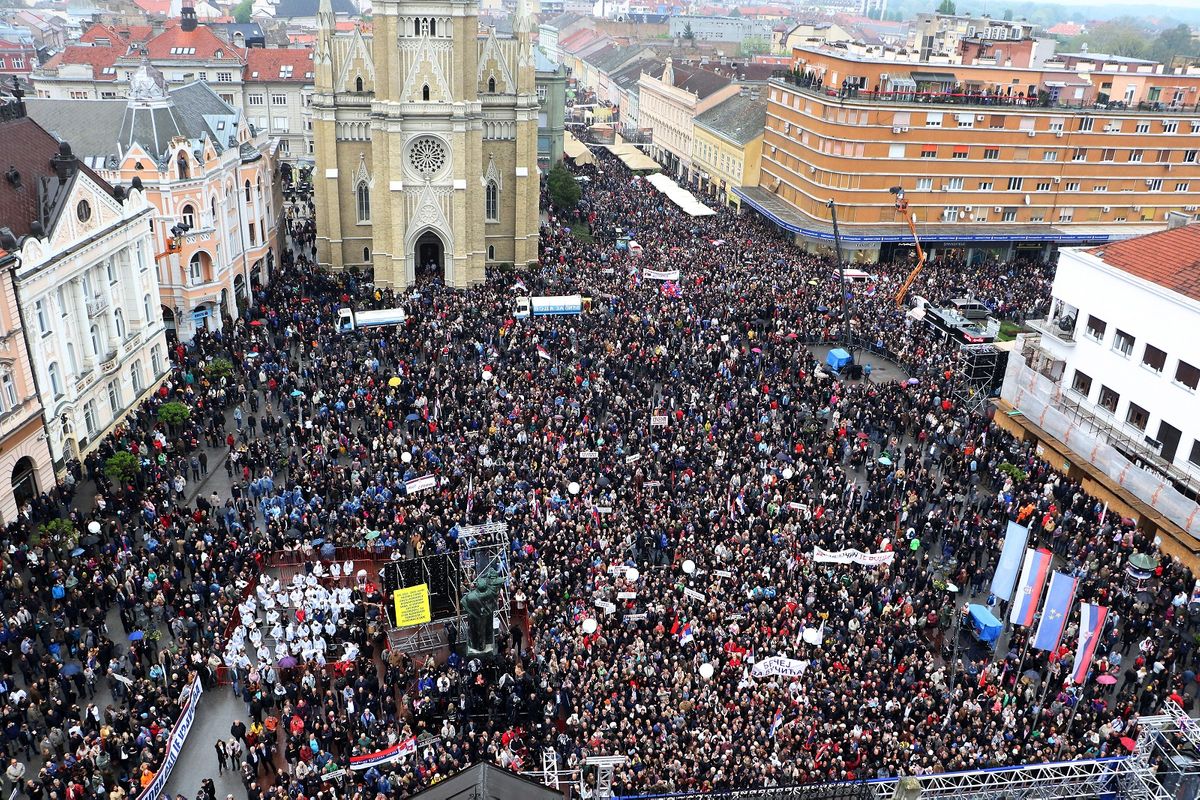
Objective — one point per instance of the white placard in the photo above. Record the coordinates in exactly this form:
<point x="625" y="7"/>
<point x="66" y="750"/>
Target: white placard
<point x="851" y="557"/>
<point x="661" y="274"/>
<point x="633" y="458"/>
<point x="723" y="573"/>
<point x="420" y="484"/>
<point x="626" y="595"/>
<point x="692" y="593"/>
<point x="589" y="454"/>
<point x="658" y="421"/>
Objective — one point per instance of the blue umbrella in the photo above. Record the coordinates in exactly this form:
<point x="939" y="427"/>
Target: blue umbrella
<point x="71" y="669"/>
<point x="412" y="417"/>
<point x="78" y="551"/>
<point x="136" y="636"/>
<point x="296" y="393"/>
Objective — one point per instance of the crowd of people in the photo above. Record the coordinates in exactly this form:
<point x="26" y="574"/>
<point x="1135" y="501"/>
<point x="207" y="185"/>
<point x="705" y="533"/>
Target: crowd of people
<point x="642" y="552"/>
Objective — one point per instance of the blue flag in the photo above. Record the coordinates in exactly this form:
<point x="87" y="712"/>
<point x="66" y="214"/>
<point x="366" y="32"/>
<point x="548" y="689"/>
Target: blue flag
<point x="1054" y="614"/>
<point x="1010" y="561"/>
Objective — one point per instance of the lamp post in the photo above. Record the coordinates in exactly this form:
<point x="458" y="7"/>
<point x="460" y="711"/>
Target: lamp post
<point x="953" y="590"/>
<point x="837" y="245"/>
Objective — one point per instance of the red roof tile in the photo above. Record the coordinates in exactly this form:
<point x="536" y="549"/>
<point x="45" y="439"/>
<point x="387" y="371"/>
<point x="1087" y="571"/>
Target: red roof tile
<point x="202" y="42"/>
<point x="160" y="7"/>
<point x="1170" y="258"/>
<point x="271" y="64"/>
<point x="101" y="59"/>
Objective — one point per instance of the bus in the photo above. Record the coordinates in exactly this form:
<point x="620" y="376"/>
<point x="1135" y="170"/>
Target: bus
<point x="351" y="320"/>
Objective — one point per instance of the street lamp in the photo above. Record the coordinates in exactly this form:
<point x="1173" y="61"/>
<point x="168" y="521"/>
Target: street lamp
<point x="837" y="245"/>
<point x="953" y="590"/>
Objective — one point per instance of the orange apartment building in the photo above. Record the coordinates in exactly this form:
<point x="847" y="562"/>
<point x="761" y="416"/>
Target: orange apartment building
<point x="992" y="159"/>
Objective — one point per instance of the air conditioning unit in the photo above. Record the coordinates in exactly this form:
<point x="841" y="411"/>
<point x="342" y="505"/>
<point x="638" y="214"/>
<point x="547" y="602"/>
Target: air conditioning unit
<point x="969" y="209"/>
<point x="1058" y="180"/>
<point x="997" y="209"/>
<point x="772" y="149"/>
<point x="1191" y="209"/>
<point x="1106" y="209"/>
<point x="904" y="129"/>
<point x="895" y="130"/>
<point x="1058" y="135"/>
<point x="979" y="117"/>
<point x="1137" y="209"/>
<point x="1032" y="134"/>
<point x="1149" y="181"/>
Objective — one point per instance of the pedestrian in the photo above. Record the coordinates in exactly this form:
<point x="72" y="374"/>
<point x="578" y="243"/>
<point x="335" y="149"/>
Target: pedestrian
<point x="222" y="756"/>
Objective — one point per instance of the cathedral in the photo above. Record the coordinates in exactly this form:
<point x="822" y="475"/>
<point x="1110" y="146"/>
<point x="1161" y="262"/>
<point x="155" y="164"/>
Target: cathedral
<point x="426" y="143"/>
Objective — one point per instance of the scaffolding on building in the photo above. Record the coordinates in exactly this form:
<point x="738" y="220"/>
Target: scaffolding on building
<point x="484" y="548"/>
<point x="979" y="376"/>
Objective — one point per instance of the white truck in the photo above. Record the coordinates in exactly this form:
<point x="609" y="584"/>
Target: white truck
<point x="352" y="320"/>
<point x="526" y="307"/>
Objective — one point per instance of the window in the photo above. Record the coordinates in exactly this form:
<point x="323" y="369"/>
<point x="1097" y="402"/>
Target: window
<point x="358" y="84"/>
<point x="156" y="360"/>
<point x="491" y="252"/>
<point x="1066" y="214"/>
<point x="1189" y="156"/>
<point x="1050" y="155"/>
<point x="9" y="400"/>
<point x="1096" y="328"/>
<point x="1108" y="154"/>
<point x="226" y="98"/>
<point x="933" y="119"/>
<point x="278" y="99"/>
<point x="55" y="379"/>
<point x="253" y="234"/>
<point x="960" y="151"/>
<point x="1137" y="416"/>
<point x="1009" y="215"/>
<point x="114" y="397"/>
<point x="1155" y="185"/>
<point x="1109" y="399"/>
<point x="1123" y="343"/>
<point x="43" y="319"/>
<point x="189" y="216"/>
<point x="362" y="195"/>
<point x="61" y="297"/>
<point x="280" y="124"/>
<point x="119" y="319"/>
<point x="896" y="150"/>
<point x="1100" y="187"/>
<point x="1170" y="125"/>
<point x="491" y="86"/>
<point x="224" y="77"/>
<point x="1181" y="187"/>
<point x="991" y="154"/>
<point x="1142" y="127"/>
<point x="1194" y="457"/>
<point x="966" y="120"/>
<point x="135" y="373"/>
<point x="1154" y="358"/>
<point x="249" y="198"/>
<point x="1020" y="154"/>
<point x="925" y="184"/>
<point x="89" y="417"/>
<point x="1187" y="375"/>
<point x="1135" y="156"/>
<point x="950" y="214"/>
<point x="1057" y="124"/>
<point x="1079" y="154"/>
<point x="997" y="121"/>
<point x="1073" y="186"/>
<point x="425" y="92"/>
<point x="95" y="337"/>
<point x="955" y="184"/>
<point x="366" y="255"/>
<point x="255" y="99"/>
<point x="985" y="186"/>
<point x="147" y="309"/>
<point x="1015" y="184"/>
<point x="1082" y="383"/>
<point x="928" y="151"/>
<point x="1027" y="124"/>
<point x="1044" y="187"/>
<point x="492" y="202"/>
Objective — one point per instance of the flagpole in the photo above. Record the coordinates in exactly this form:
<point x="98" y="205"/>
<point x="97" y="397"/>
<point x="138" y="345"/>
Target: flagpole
<point x="1071" y="723"/>
<point x="1021" y="663"/>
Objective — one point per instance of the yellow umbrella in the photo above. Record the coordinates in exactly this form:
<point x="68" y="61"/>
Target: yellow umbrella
<point x="395" y="381"/>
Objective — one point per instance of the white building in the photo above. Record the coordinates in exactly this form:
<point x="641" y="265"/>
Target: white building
<point x="88" y="295"/>
<point x="1121" y="343"/>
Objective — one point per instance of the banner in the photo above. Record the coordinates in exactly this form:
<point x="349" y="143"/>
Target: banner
<point x="1010" y="561"/>
<point x="1059" y="598"/>
<point x="178" y="736"/>
<point x="1091" y="627"/>
<point x="852" y="557"/>
<point x="660" y="274"/>
<point x="412" y="605"/>
<point x="393" y="753"/>
<point x="1029" y="589"/>
<point x="420" y="484"/>
<point x="778" y="665"/>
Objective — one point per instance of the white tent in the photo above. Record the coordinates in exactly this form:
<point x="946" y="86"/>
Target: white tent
<point x="679" y="196"/>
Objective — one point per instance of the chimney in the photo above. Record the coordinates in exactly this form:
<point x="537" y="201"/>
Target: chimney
<point x="64" y="163"/>
<point x="187" y="18"/>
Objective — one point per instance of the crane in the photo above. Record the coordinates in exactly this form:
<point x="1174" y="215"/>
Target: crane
<point x="911" y="219"/>
<point x="175" y="243"/>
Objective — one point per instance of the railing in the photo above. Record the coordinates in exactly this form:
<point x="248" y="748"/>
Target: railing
<point x="96" y="305"/>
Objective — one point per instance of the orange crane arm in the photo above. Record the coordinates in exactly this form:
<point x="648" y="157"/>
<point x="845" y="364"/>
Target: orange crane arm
<point x="174" y="245"/>
<point x="912" y="276"/>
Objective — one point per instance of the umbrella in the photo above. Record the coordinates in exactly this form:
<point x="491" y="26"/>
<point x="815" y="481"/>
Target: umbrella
<point x="913" y="381"/>
<point x="412" y="417"/>
<point x="88" y="541"/>
<point x="1106" y="680"/>
<point x="1128" y="743"/>
<point x="1032" y="674"/>
<point x="296" y="393"/>
<point x="136" y="636"/>
<point x="256" y="322"/>
<point x="287" y="662"/>
<point x="372" y="535"/>
<point x="78" y="551"/>
<point x="812" y="281"/>
<point x="1143" y="562"/>
<point x="887" y="462"/>
<point x="863" y="435"/>
<point x="71" y="669"/>
<point x="395" y="381"/>
<point x="320" y="540"/>
<point x="755" y="349"/>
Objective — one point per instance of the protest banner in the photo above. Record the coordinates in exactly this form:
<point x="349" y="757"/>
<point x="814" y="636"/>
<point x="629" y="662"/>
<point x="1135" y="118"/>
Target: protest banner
<point x="420" y="484"/>
<point x="175" y="741"/>
<point x="412" y="605"/>
<point x="778" y="665"/>
<point x="851" y="556"/>
<point x="660" y="274"/>
<point x="658" y="421"/>
<point x="393" y="753"/>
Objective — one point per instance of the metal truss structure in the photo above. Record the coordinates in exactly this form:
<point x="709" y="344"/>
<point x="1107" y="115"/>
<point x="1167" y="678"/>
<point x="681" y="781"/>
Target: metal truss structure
<point x="482" y="548"/>
<point x="605" y="765"/>
<point x="977" y="370"/>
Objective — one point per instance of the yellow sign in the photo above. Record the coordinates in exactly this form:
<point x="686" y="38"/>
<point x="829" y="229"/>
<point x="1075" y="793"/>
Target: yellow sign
<point x="412" y="605"/>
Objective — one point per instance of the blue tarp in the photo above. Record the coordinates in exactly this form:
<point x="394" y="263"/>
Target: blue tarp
<point x="987" y="628"/>
<point x="837" y="359"/>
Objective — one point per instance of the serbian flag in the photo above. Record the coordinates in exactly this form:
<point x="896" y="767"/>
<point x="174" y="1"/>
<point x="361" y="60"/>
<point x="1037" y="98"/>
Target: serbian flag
<point x="519" y="286"/>
<point x="672" y="289"/>
<point x="776" y="722"/>
<point x="543" y="352"/>
<point x="1091" y="627"/>
<point x="1059" y="598"/>
<point x="1029" y="588"/>
<point x="685" y="633"/>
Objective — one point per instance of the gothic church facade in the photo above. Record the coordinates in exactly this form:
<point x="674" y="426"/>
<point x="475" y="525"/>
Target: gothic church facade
<point x="425" y="134"/>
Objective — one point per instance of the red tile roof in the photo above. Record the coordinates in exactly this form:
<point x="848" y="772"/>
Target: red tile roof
<point x="271" y="64"/>
<point x="159" y="7"/>
<point x="1170" y="258"/>
<point x="100" y="58"/>
<point x="202" y="42"/>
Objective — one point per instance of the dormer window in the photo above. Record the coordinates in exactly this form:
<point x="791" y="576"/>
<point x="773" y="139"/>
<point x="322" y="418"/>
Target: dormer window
<point x="219" y="54"/>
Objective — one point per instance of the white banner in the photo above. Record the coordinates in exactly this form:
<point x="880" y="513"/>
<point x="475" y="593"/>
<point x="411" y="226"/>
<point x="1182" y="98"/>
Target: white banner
<point x="393" y="753"/>
<point x="851" y="557"/>
<point x="692" y="593"/>
<point x="179" y="735"/>
<point x="661" y="274"/>
<point x="420" y="484"/>
<point x="658" y="421"/>
<point x="778" y="665"/>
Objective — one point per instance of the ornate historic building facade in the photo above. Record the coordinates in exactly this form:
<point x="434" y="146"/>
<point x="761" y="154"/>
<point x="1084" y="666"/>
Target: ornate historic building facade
<point x="426" y="143"/>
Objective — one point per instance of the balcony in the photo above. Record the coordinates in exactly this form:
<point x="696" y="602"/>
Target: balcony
<point x="1051" y="330"/>
<point x="111" y="362"/>
<point x="96" y="306"/>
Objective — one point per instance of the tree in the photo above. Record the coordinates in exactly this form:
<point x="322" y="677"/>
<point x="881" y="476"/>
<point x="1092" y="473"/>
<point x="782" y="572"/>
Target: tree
<point x="219" y="368"/>
<point x="61" y="533"/>
<point x="947" y="7"/>
<point x="564" y="189"/>
<point x="688" y="33"/>
<point x="173" y="413"/>
<point x="1173" y="42"/>
<point x="1123" y="36"/>
<point x="755" y="44"/>
<point x="241" y="12"/>
<point x="122" y="467"/>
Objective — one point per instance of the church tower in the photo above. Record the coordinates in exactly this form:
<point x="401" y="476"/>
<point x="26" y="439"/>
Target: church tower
<point x="426" y="143"/>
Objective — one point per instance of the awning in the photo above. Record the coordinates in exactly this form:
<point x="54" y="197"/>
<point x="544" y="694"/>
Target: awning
<point x="901" y="83"/>
<point x="679" y="196"/>
<point x="933" y="77"/>
<point x="634" y="158"/>
<point x="576" y="150"/>
<point x="961" y="148"/>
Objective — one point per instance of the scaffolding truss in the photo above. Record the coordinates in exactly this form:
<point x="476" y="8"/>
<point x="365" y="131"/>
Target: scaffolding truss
<point x="482" y="548"/>
<point x="979" y="375"/>
<point x="605" y="766"/>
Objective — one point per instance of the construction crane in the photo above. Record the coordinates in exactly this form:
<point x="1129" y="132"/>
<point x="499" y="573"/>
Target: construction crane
<point x="175" y="243"/>
<point x="911" y="219"/>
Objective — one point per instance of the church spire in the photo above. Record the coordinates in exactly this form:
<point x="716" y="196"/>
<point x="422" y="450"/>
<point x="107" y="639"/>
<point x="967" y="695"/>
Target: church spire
<point x="326" y="25"/>
<point x="523" y="24"/>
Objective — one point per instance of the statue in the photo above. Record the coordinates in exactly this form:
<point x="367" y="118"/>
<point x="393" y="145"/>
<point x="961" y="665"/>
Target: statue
<point x="480" y="605"/>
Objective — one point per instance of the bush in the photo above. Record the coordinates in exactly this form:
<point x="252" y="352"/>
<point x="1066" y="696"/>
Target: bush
<point x="564" y="189"/>
<point x="59" y="533"/>
<point x="219" y="368"/>
<point x="174" y="413"/>
<point x="1012" y="470"/>
<point x="122" y="467"/>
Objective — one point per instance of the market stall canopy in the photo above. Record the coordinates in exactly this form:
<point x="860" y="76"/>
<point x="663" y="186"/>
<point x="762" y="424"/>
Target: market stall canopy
<point x="576" y="150"/>
<point x="680" y="196"/>
<point x="634" y="158"/>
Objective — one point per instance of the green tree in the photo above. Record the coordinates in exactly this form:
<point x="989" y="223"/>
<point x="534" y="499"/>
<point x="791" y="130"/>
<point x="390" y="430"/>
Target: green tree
<point x="688" y="33"/>
<point x="60" y="533"/>
<point x="947" y="7"/>
<point x="173" y="413"/>
<point x="755" y="44"/>
<point x="564" y="189"/>
<point x="1122" y="36"/>
<point x="219" y="368"/>
<point x="1173" y="42"/>
<point x="241" y="12"/>
<point x="122" y="467"/>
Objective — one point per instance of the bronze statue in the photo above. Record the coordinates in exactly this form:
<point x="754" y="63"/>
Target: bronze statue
<point x="480" y="605"/>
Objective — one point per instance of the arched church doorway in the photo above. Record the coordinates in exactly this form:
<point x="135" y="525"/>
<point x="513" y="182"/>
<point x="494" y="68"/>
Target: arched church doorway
<point x="24" y="481"/>
<point x="430" y="257"/>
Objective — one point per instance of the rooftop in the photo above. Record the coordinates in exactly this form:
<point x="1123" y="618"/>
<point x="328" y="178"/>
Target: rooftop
<point x="739" y="119"/>
<point x="285" y="64"/>
<point x="201" y="44"/>
<point x="1170" y="259"/>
